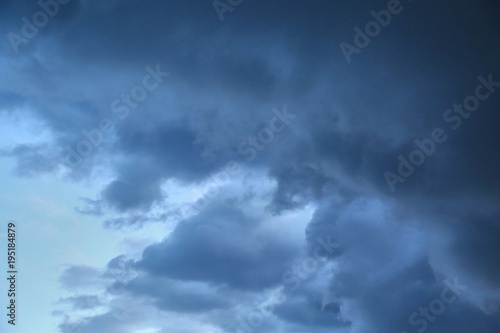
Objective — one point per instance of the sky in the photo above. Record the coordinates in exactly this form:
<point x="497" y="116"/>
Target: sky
<point x="237" y="166"/>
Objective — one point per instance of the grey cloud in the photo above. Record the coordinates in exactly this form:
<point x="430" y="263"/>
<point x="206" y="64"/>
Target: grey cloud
<point x="76" y="277"/>
<point x="353" y="121"/>
<point x="32" y="160"/>
<point x="82" y="302"/>
<point x="178" y="296"/>
<point x="220" y="246"/>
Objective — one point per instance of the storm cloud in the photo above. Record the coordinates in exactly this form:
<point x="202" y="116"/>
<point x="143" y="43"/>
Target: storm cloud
<point x="226" y="245"/>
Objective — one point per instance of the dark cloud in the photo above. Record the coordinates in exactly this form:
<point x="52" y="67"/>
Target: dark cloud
<point x="179" y="297"/>
<point x="352" y="122"/>
<point x="475" y="249"/>
<point x="221" y="245"/>
<point x="310" y="310"/>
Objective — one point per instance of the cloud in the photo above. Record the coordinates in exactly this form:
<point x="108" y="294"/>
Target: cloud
<point x="82" y="302"/>
<point x="353" y="121"/>
<point x="75" y="277"/>
<point x="222" y="246"/>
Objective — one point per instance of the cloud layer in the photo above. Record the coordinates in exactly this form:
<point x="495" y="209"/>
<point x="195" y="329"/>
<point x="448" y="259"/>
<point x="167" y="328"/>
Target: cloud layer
<point x="241" y="253"/>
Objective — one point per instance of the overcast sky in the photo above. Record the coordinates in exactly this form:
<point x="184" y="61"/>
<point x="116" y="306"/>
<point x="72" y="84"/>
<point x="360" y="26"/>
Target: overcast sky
<point x="243" y="166"/>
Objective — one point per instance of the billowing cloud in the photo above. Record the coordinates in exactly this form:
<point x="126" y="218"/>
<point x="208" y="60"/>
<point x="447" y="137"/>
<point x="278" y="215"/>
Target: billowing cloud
<point x="181" y="119"/>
